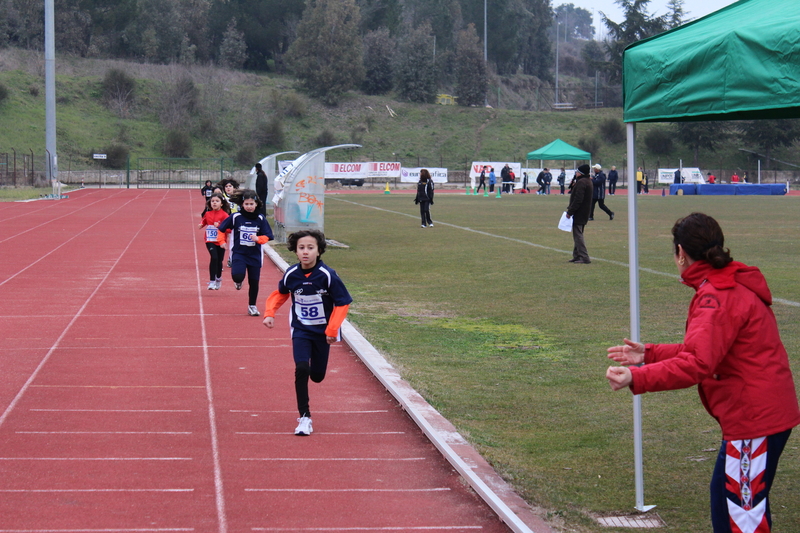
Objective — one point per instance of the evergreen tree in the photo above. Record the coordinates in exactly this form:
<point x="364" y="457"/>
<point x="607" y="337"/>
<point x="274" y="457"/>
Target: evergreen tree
<point x="378" y="48"/>
<point x="706" y="135"/>
<point x="471" y="81"/>
<point x="638" y="25"/>
<point x="767" y="135"/>
<point x="676" y="14"/>
<point x="377" y="14"/>
<point x="576" y="21"/>
<point x="327" y="57"/>
<point x="233" y="50"/>
<point x="415" y="73"/>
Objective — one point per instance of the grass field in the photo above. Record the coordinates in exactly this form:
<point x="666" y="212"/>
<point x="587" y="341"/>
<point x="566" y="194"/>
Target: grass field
<point x="485" y="317"/>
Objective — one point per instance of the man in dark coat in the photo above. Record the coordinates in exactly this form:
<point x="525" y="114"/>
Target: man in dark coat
<point x="599" y="194"/>
<point x="613" y="176"/>
<point x="580" y="205"/>
<point x="262" y="188"/>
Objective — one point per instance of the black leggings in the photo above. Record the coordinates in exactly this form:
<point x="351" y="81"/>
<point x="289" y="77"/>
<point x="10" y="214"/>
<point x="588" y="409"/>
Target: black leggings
<point x="425" y="213"/>
<point x="240" y="267"/>
<point x="217" y="253"/>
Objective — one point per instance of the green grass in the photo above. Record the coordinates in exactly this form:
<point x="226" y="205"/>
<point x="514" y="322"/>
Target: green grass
<point x="508" y="340"/>
<point x="8" y="194"/>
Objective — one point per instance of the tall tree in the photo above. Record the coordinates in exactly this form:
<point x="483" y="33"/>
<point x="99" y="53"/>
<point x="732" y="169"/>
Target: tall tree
<point x="767" y="135"/>
<point x="706" y="135"/>
<point x="378" y="49"/>
<point x="415" y="73"/>
<point x="675" y="13"/>
<point x="637" y="25"/>
<point x="576" y="22"/>
<point x="233" y="50"/>
<point x="376" y="14"/>
<point x="326" y="57"/>
<point x="470" y="69"/>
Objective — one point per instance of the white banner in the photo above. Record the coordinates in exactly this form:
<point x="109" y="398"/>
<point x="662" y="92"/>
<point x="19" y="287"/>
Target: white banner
<point x="689" y="175"/>
<point x="411" y="175"/>
<point x="384" y="169"/>
<point x="346" y="170"/>
<point x="475" y="170"/>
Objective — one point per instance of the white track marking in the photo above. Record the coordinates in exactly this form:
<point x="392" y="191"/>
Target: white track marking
<point x="103" y="432"/>
<point x="74" y="319"/>
<point x="46" y="206"/>
<point x="212" y="416"/>
<point x="437" y="489"/>
<point x="550" y="248"/>
<point x="36" y="491"/>
<point x="332" y="459"/>
<point x="95" y="458"/>
<point x="112" y="410"/>
<point x="288" y="434"/>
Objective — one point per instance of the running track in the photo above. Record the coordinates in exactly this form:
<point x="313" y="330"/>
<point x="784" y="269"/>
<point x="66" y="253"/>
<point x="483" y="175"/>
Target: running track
<point x="134" y="400"/>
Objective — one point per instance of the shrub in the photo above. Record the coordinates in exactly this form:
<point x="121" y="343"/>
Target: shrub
<point x="589" y="144"/>
<point x="116" y="156"/>
<point x="325" y="138"/>
<point x="118" y="91"/>
<point x="612" y="131"/>
<point x="33" y="90"/>
<point x="177" y="143"/>
<point x="269" y="134"/>
<point x="294" y="105"/>
<point x="246" y="155"/>
<point x="3" y="93"/>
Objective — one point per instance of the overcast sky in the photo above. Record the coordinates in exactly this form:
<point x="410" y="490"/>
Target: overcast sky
<point x="693" y="8"/>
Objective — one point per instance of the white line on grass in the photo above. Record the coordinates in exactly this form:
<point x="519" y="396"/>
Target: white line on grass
<point x="543" y="247"/>
<point x="219" y="491"/>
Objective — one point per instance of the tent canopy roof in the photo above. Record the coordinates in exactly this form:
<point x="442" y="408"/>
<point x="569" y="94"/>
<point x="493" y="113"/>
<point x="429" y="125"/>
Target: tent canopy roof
<point x="558" y="150"/>
<point x="739" y="63"/>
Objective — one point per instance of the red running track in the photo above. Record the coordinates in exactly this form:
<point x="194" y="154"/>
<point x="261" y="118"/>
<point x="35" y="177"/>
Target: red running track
<point x="133" y="399"/>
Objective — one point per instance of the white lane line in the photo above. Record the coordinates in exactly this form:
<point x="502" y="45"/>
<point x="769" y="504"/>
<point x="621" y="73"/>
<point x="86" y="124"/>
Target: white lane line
<point x="368" y="528"/>
<point x="29" y="213"/>
<point x="316" y="411"/>
<point x="437" y="489"/>
<point x="219" y="491"/>
<point x="95" y="458"/>
<point x="52" y="250"/>
<point x="108" y="530"/>
<point x="112" y="410"/>
<point x="103" y="432"/>
<point x="74" y="319"/>
<point x="37" y="491"/>
<point x="118" y="386"/>
<point x="332" y="458"/>
<point x="550" y="248"/>
<point x="289" y="434"/>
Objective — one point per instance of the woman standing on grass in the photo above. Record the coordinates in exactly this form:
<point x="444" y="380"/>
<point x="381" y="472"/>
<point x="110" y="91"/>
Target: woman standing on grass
<point x="249" y="229"/>
<point x="733" y="352"/>
<point x="424" y="197"/>
<point x="216" y="211"/>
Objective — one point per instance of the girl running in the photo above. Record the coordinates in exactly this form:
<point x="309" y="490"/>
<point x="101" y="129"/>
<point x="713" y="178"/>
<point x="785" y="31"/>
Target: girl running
<point x="249" y="229"/>
<point x="216" y="211"/>
<point x="319" y="306"/>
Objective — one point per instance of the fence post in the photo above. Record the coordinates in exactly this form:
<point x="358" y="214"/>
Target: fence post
<point x="128" y="171"/>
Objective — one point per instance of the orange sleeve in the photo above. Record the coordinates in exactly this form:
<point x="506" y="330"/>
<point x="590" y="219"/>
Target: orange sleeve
<point x="222" y="237"/>
<point x="262" y="239"/>
<point x="337" y="317"/>
<point x="274" y="302"/>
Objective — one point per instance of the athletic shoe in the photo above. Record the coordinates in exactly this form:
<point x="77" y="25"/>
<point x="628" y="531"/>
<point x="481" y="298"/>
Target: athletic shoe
<point x="238" y="286"/>
<point x="229" y="263"/>
<point x="582" y="262"/>
<point x="430" y="225"/>
<point x="217" y="284"/>
<point x="611" y="216"/>
<point x="424" y="226"/>
<point x="303" y="428"/>
<point x="211" y="285"/>
<point x="252" y="310"/>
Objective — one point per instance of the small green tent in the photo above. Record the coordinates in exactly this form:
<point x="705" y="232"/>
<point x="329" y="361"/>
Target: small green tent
<point x="739" y="63"/>
<point x="559" y="150"/>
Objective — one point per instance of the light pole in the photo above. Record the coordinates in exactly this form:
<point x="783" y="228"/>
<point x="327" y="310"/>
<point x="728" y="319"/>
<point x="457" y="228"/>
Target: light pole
<point x="50" y="88"/>
<point x="557" y="32"/>
<point x="485" y="55"/>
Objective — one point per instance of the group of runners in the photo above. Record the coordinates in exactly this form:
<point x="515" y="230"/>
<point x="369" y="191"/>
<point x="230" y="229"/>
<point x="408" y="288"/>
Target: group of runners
<point x="235" y="220"/>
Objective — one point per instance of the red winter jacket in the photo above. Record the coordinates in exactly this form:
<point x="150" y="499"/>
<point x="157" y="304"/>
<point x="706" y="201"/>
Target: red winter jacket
<point x="732" y="350"/>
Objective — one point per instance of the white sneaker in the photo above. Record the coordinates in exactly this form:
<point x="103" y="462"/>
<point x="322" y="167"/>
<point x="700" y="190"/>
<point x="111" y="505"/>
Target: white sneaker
<point x="303" y="428"/>
<point x="252" y="310"/>
<point x="217" y="284"/>
<point x="212" y="285"/>
<point x="238" y="286"/>
<point x="430" y="225"/>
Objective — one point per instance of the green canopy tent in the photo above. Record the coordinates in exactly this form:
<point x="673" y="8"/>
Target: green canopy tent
<point x="741" y="62"/>
<point x="559" y="150"/>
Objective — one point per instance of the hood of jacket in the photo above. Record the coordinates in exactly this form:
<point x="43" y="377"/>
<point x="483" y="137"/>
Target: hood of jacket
<point x="727" y="278"/>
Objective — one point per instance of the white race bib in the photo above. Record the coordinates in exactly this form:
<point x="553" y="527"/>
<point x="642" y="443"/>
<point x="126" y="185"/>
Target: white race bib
<point x="309" y="309"/>
<point x="247" y="236"/>
<point x="211" y="233"/>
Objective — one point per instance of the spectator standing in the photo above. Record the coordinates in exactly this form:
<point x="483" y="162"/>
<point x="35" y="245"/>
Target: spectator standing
<point x="482" y="182"/>
<point x="734" y="178"/>
<point x="639" y="180"/>
<point x="262" y="188"/>
<point x="505" y="177"/>
<point x="525" y="183"/>
<point x="562" y="179"/>
<point x="677" y="179"/>
<point x="599" y="192"/>
<point x="733" y="352"/>
<point x="540" y="181"/>
<point x="580" y="205"/>
<point x="613" y="176"/>
<point x="712" y="179"/>
<point x="492" y="179"/>
<point x="424" y="197"/>
<point x="548" y="178"/>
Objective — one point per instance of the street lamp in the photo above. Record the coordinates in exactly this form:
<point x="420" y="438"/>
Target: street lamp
<point x="485" y="55"/>
<point x="557" y="32"/>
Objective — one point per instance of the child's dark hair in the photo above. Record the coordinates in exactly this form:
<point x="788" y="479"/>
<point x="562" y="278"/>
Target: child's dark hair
<point x="701" y="238"/>
<point x="297" y="235"/>
<point x="226" y="181"/>
<point x="240" y="195"/>
<point x="225" y="206"/>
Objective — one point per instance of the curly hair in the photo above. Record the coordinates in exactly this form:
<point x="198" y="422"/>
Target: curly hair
<point x="291" y="241"/>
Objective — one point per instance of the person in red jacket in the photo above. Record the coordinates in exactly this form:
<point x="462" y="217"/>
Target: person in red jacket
<point x="216" y="211"/>
<point x="733" y="352"/>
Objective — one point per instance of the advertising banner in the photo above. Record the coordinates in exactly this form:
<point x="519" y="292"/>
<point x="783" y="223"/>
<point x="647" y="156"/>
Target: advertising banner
<point x="475" y="170"/>
<point x="689" y="175"/>
<point x="411" y="175"/>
